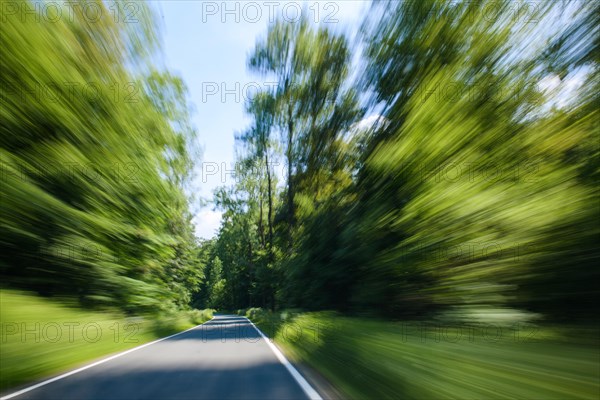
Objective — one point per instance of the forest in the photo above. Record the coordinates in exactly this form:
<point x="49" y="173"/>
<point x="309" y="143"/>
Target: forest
<point x="437" y="178"/>
<point x="434" y="175"/>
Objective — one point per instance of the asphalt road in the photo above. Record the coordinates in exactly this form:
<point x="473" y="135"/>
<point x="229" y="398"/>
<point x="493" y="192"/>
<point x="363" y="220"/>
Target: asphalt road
<point x="225" y="358"/>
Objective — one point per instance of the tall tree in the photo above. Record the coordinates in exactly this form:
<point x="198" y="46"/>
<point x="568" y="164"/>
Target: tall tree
<point x="94" y="151"/>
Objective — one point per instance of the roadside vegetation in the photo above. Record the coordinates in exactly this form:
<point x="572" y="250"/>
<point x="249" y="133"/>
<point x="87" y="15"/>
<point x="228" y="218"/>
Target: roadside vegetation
<point x="375" y="359"/>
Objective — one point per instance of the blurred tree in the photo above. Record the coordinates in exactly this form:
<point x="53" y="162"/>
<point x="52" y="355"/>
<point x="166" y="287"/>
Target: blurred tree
<point x="94" y="150"/>
<point x="472" y="192"/>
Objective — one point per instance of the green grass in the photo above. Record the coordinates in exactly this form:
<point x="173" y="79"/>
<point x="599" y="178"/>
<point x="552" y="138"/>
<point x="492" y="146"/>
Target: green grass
<point x="375" y="359"/>
<point x="84" y="335"/>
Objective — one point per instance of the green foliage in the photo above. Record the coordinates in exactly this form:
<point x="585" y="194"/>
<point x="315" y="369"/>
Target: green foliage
<point x="93" y="181"/>
<point x="367" y="358"/>
<point x="472" y="195"/>
<point x="255" y="313"/>
<point x="200" y="316"/>
<point x="460" y="195"/>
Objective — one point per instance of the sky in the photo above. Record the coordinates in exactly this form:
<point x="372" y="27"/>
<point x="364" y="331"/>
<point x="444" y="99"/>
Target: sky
<point x="207" y="43"/>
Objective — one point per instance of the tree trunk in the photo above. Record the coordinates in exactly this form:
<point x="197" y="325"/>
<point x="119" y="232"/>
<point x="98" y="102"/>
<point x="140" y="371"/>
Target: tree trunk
<point x="270" y="205"/>
<point x="290" y="194"/>
<point x="261" y="230"/>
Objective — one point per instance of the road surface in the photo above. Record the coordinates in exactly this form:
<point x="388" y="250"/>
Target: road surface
<point x="225" y="358"/>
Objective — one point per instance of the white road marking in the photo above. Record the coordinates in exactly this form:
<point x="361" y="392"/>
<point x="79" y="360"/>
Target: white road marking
<point x="308" y="389"/>
<point x="56" y="378"/>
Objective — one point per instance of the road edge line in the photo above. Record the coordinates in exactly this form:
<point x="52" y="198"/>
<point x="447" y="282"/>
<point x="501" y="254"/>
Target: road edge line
<point x="56" y="378"/>
<point x="306" y="387"/>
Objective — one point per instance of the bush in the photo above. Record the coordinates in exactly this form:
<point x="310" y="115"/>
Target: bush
<point x="169" y="322"/>
<point x="290" y="313"/>
<point x="257" y="314"/>
<point x="200" y="316"/>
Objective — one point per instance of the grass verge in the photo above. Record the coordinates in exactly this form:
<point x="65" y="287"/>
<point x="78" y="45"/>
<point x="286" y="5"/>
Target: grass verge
<point x="39" y="338"/>
<point x="367" y="358"/>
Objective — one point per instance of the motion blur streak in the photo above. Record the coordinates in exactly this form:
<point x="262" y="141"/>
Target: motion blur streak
<point x="94" y="162"/>
<point x="442" y="168"/>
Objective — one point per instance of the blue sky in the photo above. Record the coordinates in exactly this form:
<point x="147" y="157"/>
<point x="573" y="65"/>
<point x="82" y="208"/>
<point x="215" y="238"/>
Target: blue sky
<point x="205" y="45"/>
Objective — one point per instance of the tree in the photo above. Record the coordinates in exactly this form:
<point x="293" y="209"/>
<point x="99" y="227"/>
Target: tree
<point x="93" y="181"/>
